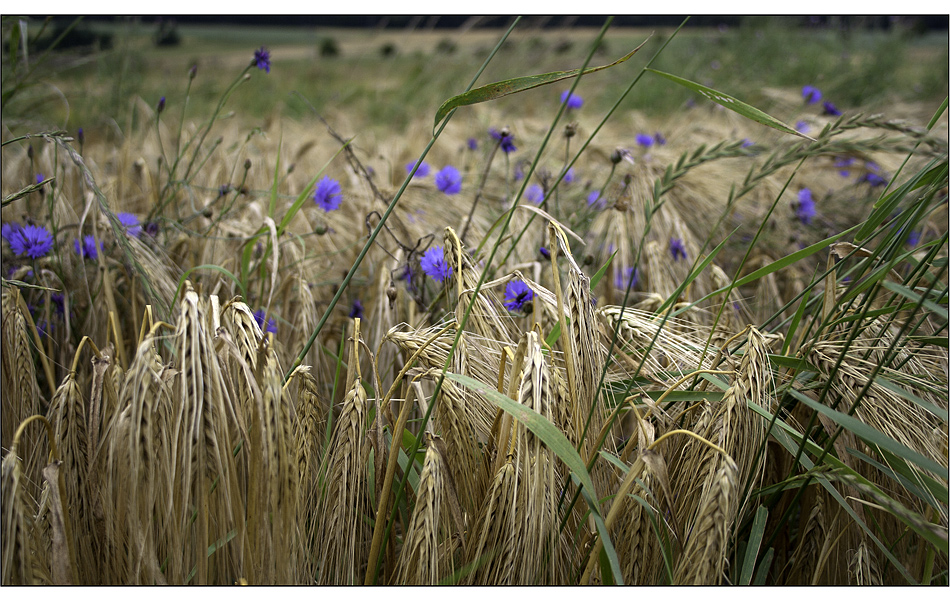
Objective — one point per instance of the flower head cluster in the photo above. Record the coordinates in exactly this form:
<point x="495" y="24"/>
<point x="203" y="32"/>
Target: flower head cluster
<point x="594" y="200"/>
<point x="677" y="249"/>
<point x="356" y="311"/>
<point x="873" y="179"/>
<point x="328" y="195"/>
<point x="659" y="138"/>
<point x="449" y="180"/>
<point x="131" y="223"/>
<point x="472" y="144"/>
<point x="830" y="109"/>
<point x="422" y="171"/>
<point x="517" y="295"/>
<point x="843" y="164"/>
<point x="570" y="176"/>
<point x="573" y="100"/>
<point x="805" y="210"/>
<point x="34" y="241"/>
<point x="534" y="194"/>
<point x="626" y="278"/>
<point x="271" y="323"/>
<point x="87" y="248"/>
<point x="434" y="265"/>
<point x="645" y="140"/>
<point x="507" y="140"/>
<point x="811" y="94"/>
<point x="262" y="59"/>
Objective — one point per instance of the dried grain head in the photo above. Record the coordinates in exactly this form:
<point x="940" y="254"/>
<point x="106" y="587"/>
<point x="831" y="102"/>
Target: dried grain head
<point x="421" y="562"/>
<point x="341" y="534"/>
<point x="17" y="525"/>
<point x="705" y="551"/>
<point x="204" y="450"/>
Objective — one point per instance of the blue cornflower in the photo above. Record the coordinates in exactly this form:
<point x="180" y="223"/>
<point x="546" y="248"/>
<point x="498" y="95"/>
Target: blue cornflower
<point x="42" y="327"/>
<point x="806" y="206"/>
<point x="594" y="201"/>
<point x="262" y="59"/>
<point x="519" y="172"/>
<point x="746" y="143"/>
<point x="570" y="176"/>
<point x="802" y="126"/>
<point x="873" y="179"/>
<point x="659" y="138"/>
<point x="573" y="100"/>
<point x="677" y="249"/>
<point x="472" y="144"/>
<point x="271" y="323"/>
<point x="449" y="180"/>
<point x="811" y="94"/>
<point x="356" y="311"/>
<point x="842" y="164"/>
<point x="161" y="105"/>
<point x="328" y="194"/>
<point x="87" y="248"/>
<point x="622" y="279"/>
<point x="39" y="178"/>
<point x="434" y="265"/>
<point x="59" y="304"/>
<point x="151" y="228"/>
<point x="517" y="295"/>
<point x="35" y="241"/>
<point x="545" y="252"/>
<point x="507" y="140"/>
<point x="8" y="230"/>
<point x="830" y="109"/>
<point x="913" y="239"/>
<point x="422" y="171"/>
<point x="131" y="223"/>
<point x="645" y="140"/>
<point x="534" y="194"/>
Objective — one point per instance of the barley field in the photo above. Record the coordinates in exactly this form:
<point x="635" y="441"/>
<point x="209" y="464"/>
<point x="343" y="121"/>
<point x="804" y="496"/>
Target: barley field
<point x="524" y="306"/>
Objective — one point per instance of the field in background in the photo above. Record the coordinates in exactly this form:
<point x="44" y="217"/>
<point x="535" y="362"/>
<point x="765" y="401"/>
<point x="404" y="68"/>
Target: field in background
<point x="711" y="353"/>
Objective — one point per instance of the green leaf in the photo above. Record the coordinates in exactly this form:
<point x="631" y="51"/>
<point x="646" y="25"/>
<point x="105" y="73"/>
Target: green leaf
<point x="796" y="363"/>
<point x="755" y="541"/>
<point x="557" y="442"/>
<point x="917" y="298"/>
<point x="733" y="104"/>
<point x="910" y="396"/>
<point x="694" y="274"/>
<point x="507" y="87"/>
<point x="869" y="434"/>
<point x="763" y="571"/>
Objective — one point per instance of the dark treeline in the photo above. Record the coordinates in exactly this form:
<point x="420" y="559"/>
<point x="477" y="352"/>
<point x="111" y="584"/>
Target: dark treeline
<point x="926" y="22"/>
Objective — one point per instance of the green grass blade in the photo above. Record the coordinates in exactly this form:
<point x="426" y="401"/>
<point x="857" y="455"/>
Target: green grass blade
<point x="755" y="541"/>
<point x="869" y="434"/>
<point x="557" y="442"/>
<point x="507" y="87"/>
<point x="764" y="566"/>
<point x="733" y="104"/>
<point x="917" y="298"/>
<point x="913" y="398"/>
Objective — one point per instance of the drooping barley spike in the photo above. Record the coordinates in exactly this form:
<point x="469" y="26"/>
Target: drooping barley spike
<point x="204" y="454"/>
<point x="67" y="414"/>
<point x="21" y="396"/>
<point x="17" y="525"/>
<point x="423" y="560"/>
<point x="462" y="431"/>
<point x="341" y="534"/>
<point x="488" y="319"/>
<point x="863" y="567"/>
<point x="704" y="557"/>
<point x="804" y="560"/>
<point x="539" y="556"/>
<point x="493" y="538"/>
